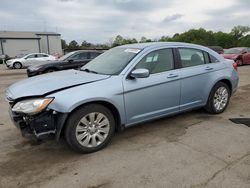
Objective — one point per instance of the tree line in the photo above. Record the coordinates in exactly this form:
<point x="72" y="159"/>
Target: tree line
<point x="238" y="36"/>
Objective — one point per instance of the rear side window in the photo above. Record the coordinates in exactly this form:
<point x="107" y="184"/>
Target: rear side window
<point x="192" y="57"/>
<point x="157" y="61"/>
<point x="42" y="55"/>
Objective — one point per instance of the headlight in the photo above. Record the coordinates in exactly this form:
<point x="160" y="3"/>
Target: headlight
<point x="32" y="106"/>
<point x="9" y="62"/>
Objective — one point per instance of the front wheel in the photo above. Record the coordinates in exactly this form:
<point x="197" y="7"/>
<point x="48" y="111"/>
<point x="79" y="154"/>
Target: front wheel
<point x="218" y="99"/>
<point x="89" y="128"/>
<point x="17" y="65"/>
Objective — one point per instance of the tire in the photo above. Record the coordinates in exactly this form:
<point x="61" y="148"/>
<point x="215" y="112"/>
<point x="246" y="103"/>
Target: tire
<point x="49" y="70"/>
<point x="17" y="65"/>
<point x="85" y="137"/>
<point x="219" y="98"/>
<point x="240" y="62"/>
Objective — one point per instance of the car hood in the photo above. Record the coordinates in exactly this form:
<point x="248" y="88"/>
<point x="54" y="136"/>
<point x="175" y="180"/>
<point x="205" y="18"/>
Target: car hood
<point x="230" y="56"/>
<point x="15" y="59"/>
<point x="52" y="82"/>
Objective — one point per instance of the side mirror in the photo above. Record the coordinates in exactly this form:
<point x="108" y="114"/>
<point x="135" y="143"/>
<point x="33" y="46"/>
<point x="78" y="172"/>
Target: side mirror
<point x="70" y="60"/>
<point x="140" y="73"/>
<point x="244" y="52"/>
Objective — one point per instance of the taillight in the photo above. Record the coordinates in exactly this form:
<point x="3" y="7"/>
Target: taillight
<point x="235" y="66"/>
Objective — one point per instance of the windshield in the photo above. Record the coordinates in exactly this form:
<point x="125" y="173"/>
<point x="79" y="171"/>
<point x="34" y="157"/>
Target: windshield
<point x="233" y="51"/>
<point x="111" y="62"/>
<point x="63" y="58"/>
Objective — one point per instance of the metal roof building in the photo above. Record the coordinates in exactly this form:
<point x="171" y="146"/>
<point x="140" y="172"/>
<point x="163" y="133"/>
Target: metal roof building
<point x="13" y="43"/>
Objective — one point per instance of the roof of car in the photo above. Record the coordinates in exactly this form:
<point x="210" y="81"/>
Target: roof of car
<point x="76" y="51"/>
<point x="159" y="44"/>
<point x="152" y="45"/>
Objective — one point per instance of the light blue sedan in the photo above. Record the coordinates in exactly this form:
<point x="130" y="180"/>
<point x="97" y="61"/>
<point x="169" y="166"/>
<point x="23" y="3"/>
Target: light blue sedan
<point x="124" y="86"/>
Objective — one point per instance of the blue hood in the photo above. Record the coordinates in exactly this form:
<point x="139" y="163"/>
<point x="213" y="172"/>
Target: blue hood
<point x="51" y="82"/>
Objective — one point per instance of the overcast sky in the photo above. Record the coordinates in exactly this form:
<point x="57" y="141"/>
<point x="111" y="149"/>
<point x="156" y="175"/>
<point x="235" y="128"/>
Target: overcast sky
<point x="99" y="21"/>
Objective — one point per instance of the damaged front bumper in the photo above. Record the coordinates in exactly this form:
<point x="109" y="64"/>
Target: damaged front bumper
<point x="40" y="125"/>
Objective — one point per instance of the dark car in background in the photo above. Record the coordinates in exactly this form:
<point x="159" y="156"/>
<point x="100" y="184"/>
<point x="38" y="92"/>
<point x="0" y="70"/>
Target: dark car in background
<point x="241" y="55"/>
<point x="72" y="60"/>
<point x="217" y="49"/>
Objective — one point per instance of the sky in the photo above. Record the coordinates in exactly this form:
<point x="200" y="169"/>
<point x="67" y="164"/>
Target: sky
<point x="100" y="21"/>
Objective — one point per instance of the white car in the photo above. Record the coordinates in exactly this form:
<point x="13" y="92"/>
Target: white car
<point x="29" y="60"/>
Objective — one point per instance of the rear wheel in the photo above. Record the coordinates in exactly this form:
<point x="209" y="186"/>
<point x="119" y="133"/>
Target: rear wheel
<point x="218" y="99"/>
<point x="89" y="128"/>
<point x="17" y="65"/>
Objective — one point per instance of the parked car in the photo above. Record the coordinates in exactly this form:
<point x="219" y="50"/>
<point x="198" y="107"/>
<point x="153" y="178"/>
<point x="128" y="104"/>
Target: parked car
<point x="218" y="49"/>
<point x="124" y="86"/>
<point x="23" y="61"/>
<point x="72" y="60"/>
<point x="241" y="55"/>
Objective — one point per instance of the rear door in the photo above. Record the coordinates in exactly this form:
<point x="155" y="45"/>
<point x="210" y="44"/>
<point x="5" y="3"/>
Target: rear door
<point x="198" y="69"/>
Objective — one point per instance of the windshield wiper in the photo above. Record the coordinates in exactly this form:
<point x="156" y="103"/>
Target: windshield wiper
<point x="91" y="71"/>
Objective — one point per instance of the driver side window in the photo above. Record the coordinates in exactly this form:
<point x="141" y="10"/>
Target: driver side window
<point x="32" y="56"/>
<point x="157" y="61"/>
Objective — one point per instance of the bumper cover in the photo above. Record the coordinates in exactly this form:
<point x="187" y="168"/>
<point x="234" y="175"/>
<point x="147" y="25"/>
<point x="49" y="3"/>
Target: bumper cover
<point x="41" y="125"/>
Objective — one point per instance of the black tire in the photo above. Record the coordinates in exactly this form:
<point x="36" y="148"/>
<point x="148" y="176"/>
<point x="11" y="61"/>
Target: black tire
<point x="74" y="119"/>
<point x="240" y="63"/>
<point x="210" y="106"/>
<point x="49" y="70"/>
<point x="17" y="65"/>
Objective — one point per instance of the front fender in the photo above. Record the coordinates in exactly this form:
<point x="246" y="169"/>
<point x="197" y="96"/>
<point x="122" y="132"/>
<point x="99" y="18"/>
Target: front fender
<point x="109" y="90"/>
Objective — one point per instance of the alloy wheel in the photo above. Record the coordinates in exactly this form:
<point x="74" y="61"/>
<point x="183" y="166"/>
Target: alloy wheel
<point x="92" y="129"/>
<point x="220" y="98"/>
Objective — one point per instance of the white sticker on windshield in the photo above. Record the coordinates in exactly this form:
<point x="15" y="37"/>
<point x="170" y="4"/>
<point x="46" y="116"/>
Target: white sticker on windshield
<point x="132" y="50"/>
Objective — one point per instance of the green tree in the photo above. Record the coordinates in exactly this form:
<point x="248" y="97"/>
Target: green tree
<point x="239" y="31"/>
<point x="118" y="41"/>
<point x="64" y="44"/>
<point x="85" y="44"/>
<point x="244" y="41"/>
<point x="73" y="45"/>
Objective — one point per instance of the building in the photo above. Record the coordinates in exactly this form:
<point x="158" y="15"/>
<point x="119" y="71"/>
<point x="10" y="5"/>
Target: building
<point x="13" y="43"/>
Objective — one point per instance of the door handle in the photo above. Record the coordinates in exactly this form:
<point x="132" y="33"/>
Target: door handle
<point x="172" y="75"/>
<point x="209" y="68"/>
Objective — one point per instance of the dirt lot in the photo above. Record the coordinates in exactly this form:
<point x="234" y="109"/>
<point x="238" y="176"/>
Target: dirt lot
<point x="193" y="149"/>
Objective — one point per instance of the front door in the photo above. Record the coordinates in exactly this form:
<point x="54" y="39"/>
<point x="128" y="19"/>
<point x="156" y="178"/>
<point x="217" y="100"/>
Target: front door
<point x="77" y="60"/>
<point x="156" y="95"/>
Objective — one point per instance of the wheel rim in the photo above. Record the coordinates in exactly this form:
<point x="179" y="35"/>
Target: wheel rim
<point x="17" y="65"/>
<point x="220" y="98"/>
<point x="92" y="129"/>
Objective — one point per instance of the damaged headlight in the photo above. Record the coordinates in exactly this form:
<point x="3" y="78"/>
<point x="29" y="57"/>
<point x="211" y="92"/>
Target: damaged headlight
<point x="32" y="106"/>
